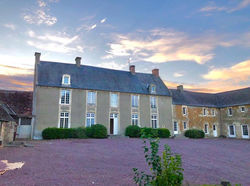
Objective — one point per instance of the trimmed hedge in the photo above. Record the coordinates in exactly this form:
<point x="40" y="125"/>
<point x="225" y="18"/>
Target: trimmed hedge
<point x="97" y="131"/>
<point x="194" y="133"/>
<point x="62" y="133"/>
<point x="163" y="133"/>
<point x="149" y="132"/>
<point x="133" y="131"/>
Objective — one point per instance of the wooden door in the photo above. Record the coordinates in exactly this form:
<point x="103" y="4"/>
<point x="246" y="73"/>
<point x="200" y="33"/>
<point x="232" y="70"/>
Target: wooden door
<point x="111" y="127"/>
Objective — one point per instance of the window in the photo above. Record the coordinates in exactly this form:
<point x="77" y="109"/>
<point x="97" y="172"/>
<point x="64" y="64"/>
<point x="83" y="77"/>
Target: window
<point x="213" y="112"/>
<point x="206" y="128"/>
<point x="184" y="110"/>
<point x="91" y="97"/>
<point x="244" y="129"/>
<point x="230" y="111"/>
<point x="65" y="97"/>
<point x="153" y="102"/>
<point x="154" y="121"/>
<point x="66" y="79"/>
<point x="64" y="120"/>
<point x="153" y="89"/>
<point x="113" y="100"/>
<point x="242" y="109"/>
<point x="135" y="119"/>
<point x="135" y="99"/>
<point x="90" y="119"/>
<point x="231" y="131"/>
<point x="175" y="127"/>
<point x="204" y="111"/>
<point x="184" y="125"/>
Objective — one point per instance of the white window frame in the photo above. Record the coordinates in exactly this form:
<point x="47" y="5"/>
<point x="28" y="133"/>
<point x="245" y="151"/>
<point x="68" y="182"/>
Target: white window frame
<point x="204" y="111"/>
<point x="153" y="89"/>
<point x="91" y="117"/>
<point x="184" y="108"/>
<point x="112" y="101"/>
<point x="177" y="127"/>
<point x="65" y="97"/>
<point x="133" y="100"/>
<point x="231" y="136"/>
<point x="154" y="121"/>
<point x="228" y="111"/>
<point x="92" y="98"/>
<point x="244" y="136"/>
<point x="184" y="125"/>
<point x="241" y="109"/>
<point x="206" y="128"/>
<point x="64" y="117"/>
<point x="135" y="119"/>
<point x="153" y="100"/>
<point x="63" y="79"/>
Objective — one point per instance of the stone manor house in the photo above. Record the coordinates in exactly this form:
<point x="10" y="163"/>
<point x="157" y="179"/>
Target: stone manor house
<point x="74" y="95"/>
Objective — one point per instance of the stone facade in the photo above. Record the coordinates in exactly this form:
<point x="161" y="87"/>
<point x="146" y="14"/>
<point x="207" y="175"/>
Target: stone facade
<point x="7" y="132"/>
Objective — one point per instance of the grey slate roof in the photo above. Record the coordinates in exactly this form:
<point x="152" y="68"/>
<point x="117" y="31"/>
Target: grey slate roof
<point x="219" y="100"/>
<point x="95" y="78"/>
<point x="5" y="113"/>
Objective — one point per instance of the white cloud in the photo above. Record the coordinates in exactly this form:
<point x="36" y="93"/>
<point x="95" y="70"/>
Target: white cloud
<point x="103" y="20"/>
<point x="10" y="26"/>
<point x="40" y="17"/>
<point x="59" y="42"/>
<point x="113" y="65"/>
<point x="161" y="45"/>
<point x="213" y="8"/>
<point x="177" y="74"/>
<point x="41" y="3"/>
<point x="92" y="27"/>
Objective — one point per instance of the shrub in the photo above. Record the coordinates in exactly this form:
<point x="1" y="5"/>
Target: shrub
<point x="89" y="132"/>
<point x="133" y="131"/>
<point x="163" y="133"/>
<point x="165" y="170"/>
<point x="194" y="133"/>
<point x="58" y="133"/>
<point x="149" y="132"/>
<point x="80" y="132"/>
<point x="99" y="131"/>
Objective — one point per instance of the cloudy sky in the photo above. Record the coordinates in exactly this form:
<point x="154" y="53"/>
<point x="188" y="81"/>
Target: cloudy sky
<point x="204" y="45"/>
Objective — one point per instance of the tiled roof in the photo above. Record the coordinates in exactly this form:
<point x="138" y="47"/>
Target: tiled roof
<point x="18" y="102"/>
<point x="224" y="99"/>
<point x="4" y="113"/>
<point x="95" y="78"/>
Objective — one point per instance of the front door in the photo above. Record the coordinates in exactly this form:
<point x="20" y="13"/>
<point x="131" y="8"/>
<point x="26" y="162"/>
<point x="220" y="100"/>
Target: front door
<point x="114" y="123"/>
<point x="214" y="131"/>
<point x="175" y="127"/>
<point x="111" y="127"/>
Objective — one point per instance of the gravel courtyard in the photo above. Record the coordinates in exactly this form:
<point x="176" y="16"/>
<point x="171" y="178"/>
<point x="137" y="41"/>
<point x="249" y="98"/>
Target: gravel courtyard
<point x="110" y="161"/>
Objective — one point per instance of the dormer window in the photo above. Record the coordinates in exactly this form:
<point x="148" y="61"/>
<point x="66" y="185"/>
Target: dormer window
<point x="66" y="79"/>
<point x="153" y="89"/>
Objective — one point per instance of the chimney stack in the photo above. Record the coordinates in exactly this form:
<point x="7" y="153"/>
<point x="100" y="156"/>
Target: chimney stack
<point x="78" y="61"/>
<point x="132" y="69"/>
<point x="180" y="88"/>
<point x="37" y="57"/>
<point x="155" y="72"/>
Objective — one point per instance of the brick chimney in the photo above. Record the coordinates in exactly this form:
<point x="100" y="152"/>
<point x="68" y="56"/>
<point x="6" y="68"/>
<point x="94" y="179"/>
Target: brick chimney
<point x="180" y="88"/>
<point x="132" y="69"/>
<point x="37" y="57"/>
<point x="155" y="72"/>
<point x="78" y="61"/>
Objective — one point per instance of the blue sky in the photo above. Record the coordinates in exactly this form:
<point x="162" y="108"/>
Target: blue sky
<point x="203" y="45"/>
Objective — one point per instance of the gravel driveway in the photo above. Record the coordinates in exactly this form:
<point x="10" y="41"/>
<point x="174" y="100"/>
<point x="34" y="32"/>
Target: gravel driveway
<point x="110" y="161"/>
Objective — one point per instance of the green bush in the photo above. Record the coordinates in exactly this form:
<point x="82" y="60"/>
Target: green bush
<point x="149" y="132"/>
<point x="97" y="131"/>
<point x="163" y="133"/>
<point x="80" y="132"/>
<point x="165" y="170"/>
<point x="133" y="131"/>
<point x="58" y="133"/>
<point x="194" y="133"/>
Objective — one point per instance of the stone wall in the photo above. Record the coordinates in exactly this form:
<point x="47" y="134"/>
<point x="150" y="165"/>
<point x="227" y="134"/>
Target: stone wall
<point x="7" y="132"/>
